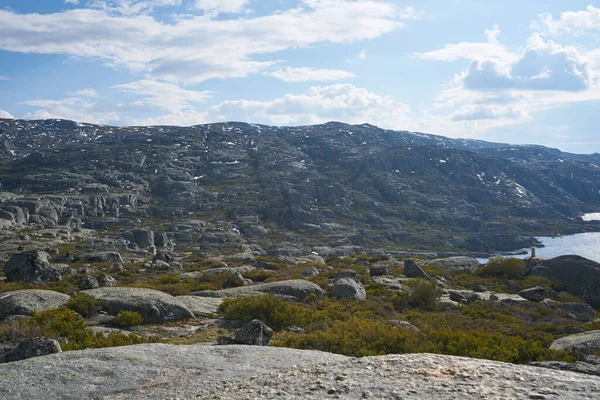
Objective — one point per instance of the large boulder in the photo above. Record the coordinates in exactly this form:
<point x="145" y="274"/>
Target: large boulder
<point x="298" y="289"/>
<point x="586" y="343"/>
<point x="154" y="306"/>
<point x="380" y="269"/>
<point x="581" y="311"/>
<point x="35" y="347"/>
<point x="25" y="302"/>
<point x="462" y="264"/>
<point x="31" y="266"/>
<point x="537" y="293"/>
<point x="580" y="275"/>
<point x="143" y="237"/>
<point x="413" y="270"/>
<point x="255" y="333"/>
<point x="348" y="288"/>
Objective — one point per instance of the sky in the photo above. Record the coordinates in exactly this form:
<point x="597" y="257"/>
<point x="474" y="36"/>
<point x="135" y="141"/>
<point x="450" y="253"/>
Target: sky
<point x="523" y="72"/>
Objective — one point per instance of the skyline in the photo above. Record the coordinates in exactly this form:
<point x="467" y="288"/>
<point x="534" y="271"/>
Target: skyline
<point x="510" y="72"/>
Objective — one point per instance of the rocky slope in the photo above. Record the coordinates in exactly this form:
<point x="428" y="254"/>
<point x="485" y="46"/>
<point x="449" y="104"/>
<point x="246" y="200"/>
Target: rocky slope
<point x="243" y="372"/>
<point x="285" y="190"/>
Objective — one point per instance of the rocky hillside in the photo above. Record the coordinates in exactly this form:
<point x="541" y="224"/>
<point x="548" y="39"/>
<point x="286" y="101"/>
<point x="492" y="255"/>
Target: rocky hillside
<point x="242" y="372"/>
<point x="331" y="188"/>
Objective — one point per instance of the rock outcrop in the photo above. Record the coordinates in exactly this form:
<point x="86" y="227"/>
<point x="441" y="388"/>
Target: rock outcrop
<point x="580" y="275"/>
<point x="159" y="371"/>
<point x="24" y="302"/>
<point x="35" y="347"/>
<point x="298" y="289"/>
<point x="154" y="306"/>
<point x="586" y="343"/>
<point x="31" y="266"/>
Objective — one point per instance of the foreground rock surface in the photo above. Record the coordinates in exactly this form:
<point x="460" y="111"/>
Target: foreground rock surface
<point x="158" y="371"/>
<point x="156" y="307"/>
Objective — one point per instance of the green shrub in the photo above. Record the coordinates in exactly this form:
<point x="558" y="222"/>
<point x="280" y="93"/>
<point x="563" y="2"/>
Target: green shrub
<point x="84" y="304"/>
<point x="510" y="268"/>
<point x="566" y="297"/>
<point x="273" y="311"/>
<point x="422" y="294"/>
<point x="129" y="318"/>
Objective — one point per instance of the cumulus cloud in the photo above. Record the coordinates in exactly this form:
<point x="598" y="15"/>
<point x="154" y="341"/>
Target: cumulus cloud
<point x="473" y="112"/>
<point x="221" y="6"/>
<point x="84" y="93"/>
<point x="5" y="115"/>
<point x="470" y="50"/>
<point x="194" y="48"/>
<point x="75" y="2"/>
<point x="570" y="21"/>
<point x="291" y="74"/>
<point x="542" y="66"/>
<point x="130" y="7"/>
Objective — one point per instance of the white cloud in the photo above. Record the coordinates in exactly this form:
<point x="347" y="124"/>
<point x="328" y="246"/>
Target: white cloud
<point x="84" y="93"/>
<point x="542" y="66"/>
<point x="221" y="6"/>
<point x="309" y="74"/>
<point x="166" y="96"/>
<point x="362" y="55"/>
<point x="570" y="21"/>
<point x="131" y="7"/>
<point x="72" y="2"/>
<point x="5" y="115"/>
<point x="339" y="102"/>
<point x="492" y="34"/>
<point x="194" y="48"/>
<point x="473" y="112"/>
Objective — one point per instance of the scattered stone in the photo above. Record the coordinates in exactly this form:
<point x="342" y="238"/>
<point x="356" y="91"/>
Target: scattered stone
<point x="118" y="267"/>
<point x="458" y="297"/>
<point x="105" y="280"/>
<point x="154" y="306"/>
<point x="235" y="280"/>
<point x="158" y="265"/>
<point x="35" y="347"/>
<point x="310" y="271"/>
<point x="87" y="282"/>
<point x="537" y="293"/>
<point x="405" y="325"/>
<point x="413" y="270"/>
<point x="31" y="266"/>
<point x="163" y="255"/>
<point x="479" y="288"/>
<point x="348" y="288"/>
<point x="582" y="311"/>
<point x="380" y="269"/>
<point x="24" y="302"/>
<point x="255" y="333"/>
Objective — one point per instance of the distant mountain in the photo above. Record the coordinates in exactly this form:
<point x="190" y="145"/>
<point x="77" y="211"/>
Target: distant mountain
<point x="289" y="189"/>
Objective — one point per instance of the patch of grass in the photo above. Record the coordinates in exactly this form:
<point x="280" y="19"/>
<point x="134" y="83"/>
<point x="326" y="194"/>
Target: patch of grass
<point x="128" y="319"/>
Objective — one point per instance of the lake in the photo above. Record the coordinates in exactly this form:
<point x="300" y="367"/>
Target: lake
<point x="582" y="244"/>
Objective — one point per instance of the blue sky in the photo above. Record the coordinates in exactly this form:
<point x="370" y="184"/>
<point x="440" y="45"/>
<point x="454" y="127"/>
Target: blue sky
<point x="510" y="71"/>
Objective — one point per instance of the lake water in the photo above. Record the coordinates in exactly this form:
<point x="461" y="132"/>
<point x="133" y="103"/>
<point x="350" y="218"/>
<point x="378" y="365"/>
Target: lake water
<point x="583" y="244"/>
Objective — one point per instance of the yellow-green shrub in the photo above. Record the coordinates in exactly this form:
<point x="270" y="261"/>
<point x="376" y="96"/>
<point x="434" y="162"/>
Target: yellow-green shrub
<point x="273" y="311"/>
<point x="129" y="318"/>
<point x="422" y="294"/>
<point x="511" y="268"/>
<point x="84" y="304"/>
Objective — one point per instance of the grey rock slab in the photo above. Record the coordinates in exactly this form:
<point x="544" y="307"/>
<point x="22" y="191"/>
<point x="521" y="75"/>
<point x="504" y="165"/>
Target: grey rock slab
<point x="160" y="371"/>
<point x="296" y="288"/>
<point x="216" y="271"/>
<point x="24" y="302"/>
<point x="156" y="307"/>
<point x="413" y="270"/>
<point x="586" y="343"/>
<point x="537" y="293"/>
<point x="201" y="306"/>
<point x="463" y="264"/>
